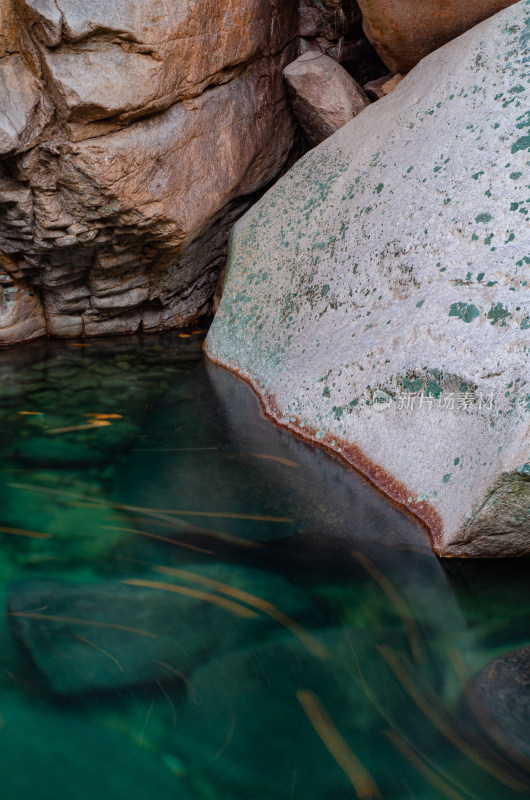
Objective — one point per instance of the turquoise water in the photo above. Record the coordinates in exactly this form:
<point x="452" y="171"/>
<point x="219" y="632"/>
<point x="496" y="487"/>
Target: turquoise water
<point x="199" y="605"/>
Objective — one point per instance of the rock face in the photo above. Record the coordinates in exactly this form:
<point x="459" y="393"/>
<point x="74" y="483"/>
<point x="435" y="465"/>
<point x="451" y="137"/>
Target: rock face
<point x="132" y="135"/>
<point x="403" y="32"/>
<point x="324" y="96"/>
<point x="378" y="296"/>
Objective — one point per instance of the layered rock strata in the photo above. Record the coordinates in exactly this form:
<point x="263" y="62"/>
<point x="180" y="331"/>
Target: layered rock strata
<point x="132" y="135"/>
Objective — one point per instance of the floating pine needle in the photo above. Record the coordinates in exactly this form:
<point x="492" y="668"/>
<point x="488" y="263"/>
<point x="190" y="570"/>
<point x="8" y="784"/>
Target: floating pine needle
<point x="228" y="605"/>
<point x="30" y="413"/>
<point x="153" y="511"/>
<point x="375" y="699"/>
<point x="185" y="527"/>
<point x="427" y="703"/>
<point x="228" y="738"/>
<point x="28" y="534"/>
<point x="174" y="542"/>
<point x="311" y="642"/>
<point x="170" y="449"/>
<point x="73" y="428"/>
<point x="215" y="514"/>
<point x="413" y="635"/>
<point x="100" y="649"/>
<point x="104" y="416"/>
<point x="360" y="778"/>
<point x="435" y="780"/>
<point x="88" y="622"/>
<point x="284" y="461"/>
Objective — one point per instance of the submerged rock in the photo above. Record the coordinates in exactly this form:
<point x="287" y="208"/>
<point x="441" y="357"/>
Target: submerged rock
<point x="499" y="696"/>
<point x="48" y="753"/>
<point x="377" y="297"/>
<point x="324" y="96"/>
<point x="135" y="133"/>
<point x="404" y="32"/>
<point x="150" y="629"/>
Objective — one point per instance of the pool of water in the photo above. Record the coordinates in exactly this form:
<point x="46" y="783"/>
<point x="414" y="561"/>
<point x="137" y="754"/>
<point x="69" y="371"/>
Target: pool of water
<point x="196" y="604"/>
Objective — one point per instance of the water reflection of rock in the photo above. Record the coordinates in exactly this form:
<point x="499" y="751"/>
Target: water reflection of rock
<point x="208" y="446"/>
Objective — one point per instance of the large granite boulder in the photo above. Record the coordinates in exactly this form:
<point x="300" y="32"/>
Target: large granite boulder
<point x="132" y="135"/>
<point x="377" y="297"/>
<point x="404" y="31"/>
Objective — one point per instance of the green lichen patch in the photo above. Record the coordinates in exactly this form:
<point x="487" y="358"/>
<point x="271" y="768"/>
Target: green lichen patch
<point x="467" y="312"/>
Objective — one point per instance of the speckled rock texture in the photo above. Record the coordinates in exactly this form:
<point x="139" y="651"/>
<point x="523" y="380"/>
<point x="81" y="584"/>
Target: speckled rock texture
<point x="378" y="297"/>
<point x="405" y="31"/>
<point x="132" y="135"/>
<point x="323" y="95"/>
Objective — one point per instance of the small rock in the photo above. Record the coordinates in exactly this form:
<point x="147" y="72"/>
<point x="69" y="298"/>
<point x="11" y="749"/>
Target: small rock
<point x="379" y="88"/>
<point x="324" y="96"/>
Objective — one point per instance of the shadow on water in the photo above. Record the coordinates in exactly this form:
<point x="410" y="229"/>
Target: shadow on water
<point x="199" y="605"/>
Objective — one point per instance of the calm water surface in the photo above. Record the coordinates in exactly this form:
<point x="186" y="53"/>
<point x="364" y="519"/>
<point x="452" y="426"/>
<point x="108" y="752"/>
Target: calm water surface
<point x="197" y="605"/>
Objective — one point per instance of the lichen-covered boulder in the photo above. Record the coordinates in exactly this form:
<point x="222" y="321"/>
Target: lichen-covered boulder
<point x="132" y="135"/>
<point x="404" y="31"/>
<point x="378" y="297"/>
